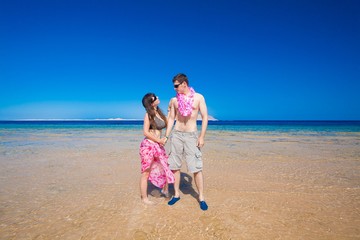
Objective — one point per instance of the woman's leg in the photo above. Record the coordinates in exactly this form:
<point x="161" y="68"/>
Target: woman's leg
<point x="143" y="187"/>
<point x="165" y="190"/>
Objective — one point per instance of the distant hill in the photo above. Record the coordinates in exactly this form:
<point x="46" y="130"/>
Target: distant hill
<point x="211" y="118"/>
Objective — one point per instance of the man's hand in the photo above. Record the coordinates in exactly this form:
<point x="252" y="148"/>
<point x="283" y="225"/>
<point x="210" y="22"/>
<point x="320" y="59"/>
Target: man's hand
<point x="163" y="141"/>
<point x="200" y="142"/>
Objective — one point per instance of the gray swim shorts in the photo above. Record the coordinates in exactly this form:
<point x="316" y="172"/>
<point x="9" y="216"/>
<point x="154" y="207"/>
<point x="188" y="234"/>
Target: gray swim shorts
<point x="183" y="146"/>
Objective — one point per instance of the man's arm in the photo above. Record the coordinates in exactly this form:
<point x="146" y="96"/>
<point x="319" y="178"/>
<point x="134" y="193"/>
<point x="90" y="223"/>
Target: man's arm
<point x="204" y="122"/>
<point x="171" y="118"/>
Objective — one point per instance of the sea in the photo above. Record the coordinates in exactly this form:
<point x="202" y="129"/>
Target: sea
<point x="289" y="127"/>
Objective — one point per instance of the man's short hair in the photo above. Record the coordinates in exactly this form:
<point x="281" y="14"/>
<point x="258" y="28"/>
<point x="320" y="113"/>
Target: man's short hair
<point x="181" y="78"/>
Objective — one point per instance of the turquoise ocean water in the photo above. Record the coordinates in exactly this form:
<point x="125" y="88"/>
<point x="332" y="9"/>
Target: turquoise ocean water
<point x="291" y="127"/>
<point x="26" y="133"/>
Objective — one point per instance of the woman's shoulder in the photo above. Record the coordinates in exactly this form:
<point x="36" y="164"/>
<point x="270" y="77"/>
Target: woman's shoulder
<point x="146" y="116"/>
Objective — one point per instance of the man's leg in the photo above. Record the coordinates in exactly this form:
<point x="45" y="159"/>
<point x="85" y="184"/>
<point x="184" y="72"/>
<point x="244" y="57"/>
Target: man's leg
<point x="199" y="181"/>
<point x="175" y="164"/>
<point x="177" y="183"/>
<point x="176" y="197"/>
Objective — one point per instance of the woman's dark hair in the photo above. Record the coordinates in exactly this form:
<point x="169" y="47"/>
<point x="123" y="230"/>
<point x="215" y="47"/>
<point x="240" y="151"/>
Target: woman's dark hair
<point x="147" y="101"/>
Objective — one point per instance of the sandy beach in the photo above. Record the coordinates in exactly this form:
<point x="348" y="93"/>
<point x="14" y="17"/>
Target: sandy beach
<point x="85" y="185"/>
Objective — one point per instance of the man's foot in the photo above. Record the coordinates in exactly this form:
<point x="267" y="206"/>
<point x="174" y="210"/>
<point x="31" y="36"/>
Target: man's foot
<point x="148" y="202"/>
<point x="173" y="200"/>
<point x="203" y="205"/>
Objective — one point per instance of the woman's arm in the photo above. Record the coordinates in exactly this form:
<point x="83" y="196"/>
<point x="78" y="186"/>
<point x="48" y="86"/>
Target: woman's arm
<point x="147" y="132"/>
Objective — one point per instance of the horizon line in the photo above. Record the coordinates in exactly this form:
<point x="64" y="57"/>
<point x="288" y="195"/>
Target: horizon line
<point x="136" y="119"/>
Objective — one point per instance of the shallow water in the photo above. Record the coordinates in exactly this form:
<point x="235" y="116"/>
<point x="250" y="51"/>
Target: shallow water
<point x="83" y="184"/>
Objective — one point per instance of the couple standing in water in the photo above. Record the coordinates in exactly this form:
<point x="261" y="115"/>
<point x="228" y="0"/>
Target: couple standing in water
<point x="186" y="143"/>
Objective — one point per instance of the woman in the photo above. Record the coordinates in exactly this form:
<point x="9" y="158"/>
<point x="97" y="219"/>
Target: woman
<point x="154" y="161"/>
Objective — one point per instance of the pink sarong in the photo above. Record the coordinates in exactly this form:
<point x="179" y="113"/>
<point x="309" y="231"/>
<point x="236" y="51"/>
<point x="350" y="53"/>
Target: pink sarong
<point x="153" y="156"/>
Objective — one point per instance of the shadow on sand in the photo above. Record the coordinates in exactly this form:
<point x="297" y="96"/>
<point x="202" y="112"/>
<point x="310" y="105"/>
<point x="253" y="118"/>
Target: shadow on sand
<point x="186" y="187"/>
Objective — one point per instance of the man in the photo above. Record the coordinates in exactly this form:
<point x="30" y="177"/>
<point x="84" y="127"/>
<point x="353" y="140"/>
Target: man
<point x="185" y="141"/>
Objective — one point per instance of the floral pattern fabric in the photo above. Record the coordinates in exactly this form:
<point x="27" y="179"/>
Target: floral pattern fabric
<point x="153" y="156"/>
<point x="185" y="103"/>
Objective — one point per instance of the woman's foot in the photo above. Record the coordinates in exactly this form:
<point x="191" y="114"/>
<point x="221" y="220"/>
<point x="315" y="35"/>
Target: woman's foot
<point x="165" y="193"/>
<point x="147" y="201"/>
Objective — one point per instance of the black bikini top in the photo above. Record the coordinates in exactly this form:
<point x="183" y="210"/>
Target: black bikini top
<point x="160" y="124"/>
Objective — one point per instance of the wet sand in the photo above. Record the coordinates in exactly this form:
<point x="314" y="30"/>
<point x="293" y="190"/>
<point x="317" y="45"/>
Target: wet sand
<point x="85" y="185"/>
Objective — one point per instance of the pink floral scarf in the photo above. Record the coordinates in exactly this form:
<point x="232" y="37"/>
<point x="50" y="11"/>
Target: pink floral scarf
<point x="185" y="103"/>
<point x="154" y="157"/>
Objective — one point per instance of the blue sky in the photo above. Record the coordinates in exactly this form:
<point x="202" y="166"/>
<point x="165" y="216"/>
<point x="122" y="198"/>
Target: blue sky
<point x="252" y="60"/>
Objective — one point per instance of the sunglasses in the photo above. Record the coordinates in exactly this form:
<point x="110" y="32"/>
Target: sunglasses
<point x="155" y="98"/>
<point x="177" y="85"/>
